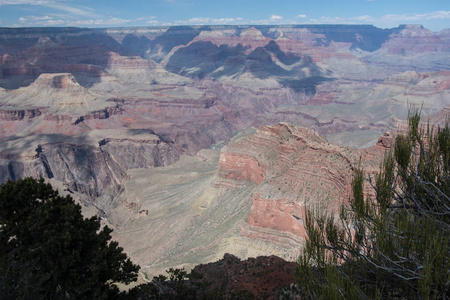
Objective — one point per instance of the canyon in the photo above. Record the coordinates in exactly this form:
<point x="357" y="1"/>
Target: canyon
<point x="193" y="142"/>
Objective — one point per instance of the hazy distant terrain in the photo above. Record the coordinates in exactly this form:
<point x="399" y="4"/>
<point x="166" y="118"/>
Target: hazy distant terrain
<point x="196" y="141"/>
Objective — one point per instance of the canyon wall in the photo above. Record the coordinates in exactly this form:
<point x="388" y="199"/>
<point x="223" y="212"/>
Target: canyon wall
<point x="211" y="139"/>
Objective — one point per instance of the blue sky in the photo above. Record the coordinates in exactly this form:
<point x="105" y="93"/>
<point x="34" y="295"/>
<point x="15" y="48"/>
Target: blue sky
<point x="433" y="14"/>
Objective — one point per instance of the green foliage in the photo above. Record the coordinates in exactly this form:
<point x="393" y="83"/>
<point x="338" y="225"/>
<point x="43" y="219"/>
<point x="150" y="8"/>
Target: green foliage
<point x="49" y="251"/>
<point x="396" y="245"/>
<point x="177" y="275"/>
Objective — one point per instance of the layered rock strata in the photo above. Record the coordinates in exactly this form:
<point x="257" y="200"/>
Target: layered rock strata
<point x="249" y="201"/>
<point x="110" y="115"/>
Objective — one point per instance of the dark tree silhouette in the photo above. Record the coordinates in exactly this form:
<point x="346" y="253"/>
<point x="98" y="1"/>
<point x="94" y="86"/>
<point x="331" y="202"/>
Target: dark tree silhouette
<point x="49" y="251"/>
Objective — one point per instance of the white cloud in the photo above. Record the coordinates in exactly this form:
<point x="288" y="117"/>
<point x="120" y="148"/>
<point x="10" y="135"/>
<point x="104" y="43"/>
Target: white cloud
<point x="275" y="18"/>
<point x="28" y="19"/>
<point x="40" y="21"/>
<point x="385" y="21"/>
<point x="199" y="21"/>
<point x="52" y="21"/>
<point x="79" y="11"/>
<point x="364" y="18"/>
<point x="329" y="20"/>
<point x="437" y="15"/>
<point x="100" y="22"/>
<point x="67" y="15"/>
<point x="208" y="21"/>
<point x="146" y="18"/>
<point x="29" y="2"/>
<point x="55" y="4"/>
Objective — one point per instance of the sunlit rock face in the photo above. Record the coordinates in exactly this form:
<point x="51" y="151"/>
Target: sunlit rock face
<point x="212" y="138"/>
<point x="293" y="168"/>
<point x="413" y="39"/>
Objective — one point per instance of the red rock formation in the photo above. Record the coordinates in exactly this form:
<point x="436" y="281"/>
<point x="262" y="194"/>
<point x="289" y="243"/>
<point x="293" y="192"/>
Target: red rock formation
<point x="280" y="214"/>
<point x="294" y="169"/>
<point x="241" y="167"/>
<point x="128" y="112"/>
<point x="386" y="141"/>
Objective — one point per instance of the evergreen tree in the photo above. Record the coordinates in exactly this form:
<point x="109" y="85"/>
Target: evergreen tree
<point x="49" y="251"/>
<point x="396" y="244"/>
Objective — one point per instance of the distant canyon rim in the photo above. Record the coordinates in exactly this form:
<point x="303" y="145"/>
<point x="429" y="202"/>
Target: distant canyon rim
<point x="193" y="142"/>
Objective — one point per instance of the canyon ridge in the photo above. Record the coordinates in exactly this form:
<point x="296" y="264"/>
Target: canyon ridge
<point x="193" y="142"/>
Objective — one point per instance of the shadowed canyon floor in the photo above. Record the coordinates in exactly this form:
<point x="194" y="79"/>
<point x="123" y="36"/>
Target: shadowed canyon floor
<point x="192" y="142"/>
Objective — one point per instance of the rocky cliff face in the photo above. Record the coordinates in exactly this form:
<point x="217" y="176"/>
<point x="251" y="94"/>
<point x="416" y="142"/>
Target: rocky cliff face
<point x="293" y="168"/>
<point x="124" y="118"/>
<point x="94" y="164"/>
<point x="249" y="200"/>
<point x="413" y="39"/>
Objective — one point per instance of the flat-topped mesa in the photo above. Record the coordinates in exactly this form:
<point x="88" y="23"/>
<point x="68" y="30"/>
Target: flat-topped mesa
<point x="414" y="39"/>
<point x="60" y="94"/>
<point x="57" y="81"/>
<point x="414" y="31"/>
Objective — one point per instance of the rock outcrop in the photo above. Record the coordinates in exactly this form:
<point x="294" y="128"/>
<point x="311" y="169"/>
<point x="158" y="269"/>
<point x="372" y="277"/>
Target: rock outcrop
<point x="250" y="201"/>
<point x="93" y="164"/>
<point x="294" y="169"/>
<point x="131" y="120"/>
<point x="413" y="39"/>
